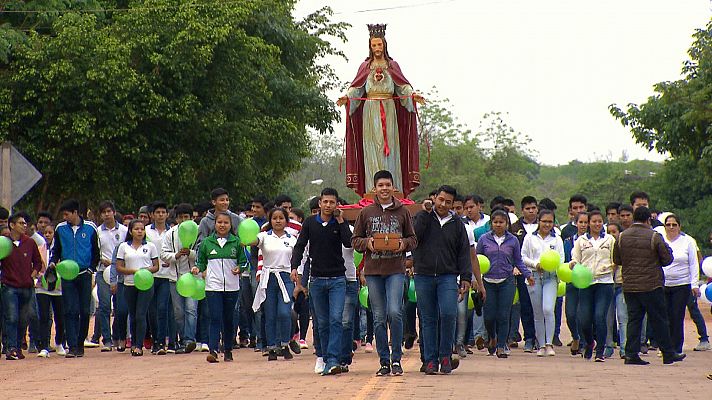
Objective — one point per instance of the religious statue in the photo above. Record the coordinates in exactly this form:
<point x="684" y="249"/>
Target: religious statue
<point x="381" y="121"/>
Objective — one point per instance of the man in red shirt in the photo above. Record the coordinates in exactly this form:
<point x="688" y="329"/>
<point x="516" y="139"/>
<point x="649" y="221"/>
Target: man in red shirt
<point x="19" y="269"/>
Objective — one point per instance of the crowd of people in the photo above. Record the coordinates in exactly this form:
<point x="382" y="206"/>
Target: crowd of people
<point x="422" y="272"/>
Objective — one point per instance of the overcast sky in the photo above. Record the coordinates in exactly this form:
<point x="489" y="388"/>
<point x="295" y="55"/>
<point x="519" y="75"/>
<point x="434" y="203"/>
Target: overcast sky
<point x="553" y="65"/>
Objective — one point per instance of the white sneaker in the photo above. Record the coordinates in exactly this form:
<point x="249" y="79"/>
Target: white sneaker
<point x="550" y="350"/>
<point x="91" y="345"/>
<point x="204" y="348"/>
<point x="319" y="366"/>
<point x="60" y="350"/>
<point x="43" y="353"/>
<point x="369" y="348"/>
<point x="541" y="352"/>
<point x="704" y="345"/>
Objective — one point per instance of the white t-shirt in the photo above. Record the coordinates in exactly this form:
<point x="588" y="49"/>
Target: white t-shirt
<point x="135" y="259"/>
<point x="156" y="237"/>
<point x="276" y="250"/>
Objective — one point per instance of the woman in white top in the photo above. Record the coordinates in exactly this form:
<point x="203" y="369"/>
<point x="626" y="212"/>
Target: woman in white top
<point x="543" y="292"/>
<point x="275" y="286"/>
<point x="595" y="251"/>
<point x="681" y="278"/>
<point x="132" y="255"/>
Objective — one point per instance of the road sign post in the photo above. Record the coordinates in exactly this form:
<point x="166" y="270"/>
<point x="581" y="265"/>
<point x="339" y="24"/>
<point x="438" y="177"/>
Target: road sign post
<point x="17" y="174"/>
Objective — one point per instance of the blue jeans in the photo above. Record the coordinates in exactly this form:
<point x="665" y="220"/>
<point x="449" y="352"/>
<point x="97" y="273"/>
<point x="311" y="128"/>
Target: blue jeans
<point x="328" y="295"/>
<point x="315" y="330"/>
<point x="526" y="312"/>
<point x="350" y="303"/>
<point x="221" y="306"/>
<point x="593" y="309"/>
<point x="277" y="313"/>
<point x="185" y="313"/>
<point x="17" y="306"/>
<point x="161" y="313"/>
<point x="543" y="299"/>
<point x="385" y="293"/>
<point x="247" y="316"/>
<point x="463" y="316"/>
<point x="257" y="323"/>
<point x="138" y="302"/>
<point x="621" y="316"/>
<point x="121" y="313"/>
<point x="571" y="309"/>
<point x="497" y="308"/>
<point x="203" y="326"/>
<point x="437" y="302"/>
<point x="76" y="299"/>
<point x="103" y="291"/>
<point x="697" y="318"/>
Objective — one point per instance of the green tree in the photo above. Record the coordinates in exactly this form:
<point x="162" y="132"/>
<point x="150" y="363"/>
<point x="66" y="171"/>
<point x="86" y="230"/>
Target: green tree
<point x="677" y="120"/>
<point x="169" y="99"/>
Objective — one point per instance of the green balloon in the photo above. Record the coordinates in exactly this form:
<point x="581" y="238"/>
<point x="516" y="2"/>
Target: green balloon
<point x="68" y="269"/>
<point x="45" y="285"/>
<point x="363" y="296"/>
<point x="411" y="291"/>
<point x="516" y="296"/>
<point x="564" y="272"/>
<point x="550" y="260"/>
<point x="484" y="263"/>
<point x="248" y="230"/>
<point x="5" y="246"/>
<point x="199" y="293"/>
<point x="358" y="257"/>
<point x="581" y="276"/>
<point x="561" y="289"/>
<point x="188" y="233"/>
<point x="186" y="285"/>
<point x="143" y="279"/>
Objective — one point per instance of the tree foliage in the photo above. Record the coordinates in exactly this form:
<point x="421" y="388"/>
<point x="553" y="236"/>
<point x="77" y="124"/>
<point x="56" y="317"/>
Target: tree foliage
<point x="168" y="99"/>
<point x="677" y="120"/>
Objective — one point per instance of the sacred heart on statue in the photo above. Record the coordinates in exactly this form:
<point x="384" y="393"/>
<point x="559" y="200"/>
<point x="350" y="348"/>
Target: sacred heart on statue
<point x="379" y="74"/>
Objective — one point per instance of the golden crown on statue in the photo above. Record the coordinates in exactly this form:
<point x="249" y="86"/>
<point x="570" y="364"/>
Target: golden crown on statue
<point x="377" y="30"/>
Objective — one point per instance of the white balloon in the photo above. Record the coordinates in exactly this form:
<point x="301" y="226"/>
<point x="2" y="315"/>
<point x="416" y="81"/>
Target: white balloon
<point x="707" y="266"/>
<point x="107" y="274"/>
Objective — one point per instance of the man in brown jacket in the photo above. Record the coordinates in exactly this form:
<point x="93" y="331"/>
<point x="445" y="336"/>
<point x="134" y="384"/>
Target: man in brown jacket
<point x="642" y="253"/>
<point x="384" y="271"/>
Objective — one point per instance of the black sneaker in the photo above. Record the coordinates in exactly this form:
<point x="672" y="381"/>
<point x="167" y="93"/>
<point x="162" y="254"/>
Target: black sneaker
<point x="385" y="370"/>
<point x="12" y="355"/>
<point x="588" y="353"/>
<point x="344" y="368"/>
<point x="423" y="367"/>
<point x="70" y="354"/>
<point x="212" y="357"/>
<point x="445" y="365"/>
<point x="227" y="357"/>
<point x="272" y="355"/>
<point x="294" y="346"/>
<point x="431" y="368"/>
<point x="635" y="361"/>
<point x="673" y="358"/>
<point x="190" y="347"/>
<point x="160" y="350"/>
<point x="333" y="370"/>
<point x="286" y="353"/>
<point x="409" y="341"/>
<point x="80" y="351"/>
<point x="396" y="369"/>
<point x="557" y="342"/>
<point x="252" y="344"/>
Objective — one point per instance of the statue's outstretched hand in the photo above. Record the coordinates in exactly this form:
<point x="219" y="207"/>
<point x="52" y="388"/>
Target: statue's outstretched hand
<point x="342" y="100"/>
<point x="419" y="99"/>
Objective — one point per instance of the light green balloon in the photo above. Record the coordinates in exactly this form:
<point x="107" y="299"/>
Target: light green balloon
<point x="363" y="296"/>
<point x="550" y="260"/>
<point x="484" y="263"/>
<point x="561" y="289"/>
<point x="143" y="279"/>
<point x="581" y="276"/>
<point x="564" y="272"/>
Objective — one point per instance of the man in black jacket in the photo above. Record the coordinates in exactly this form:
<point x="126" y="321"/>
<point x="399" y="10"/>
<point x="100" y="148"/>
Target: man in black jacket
<point x="442" y="255"/>
<point x="325" y="232"/>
